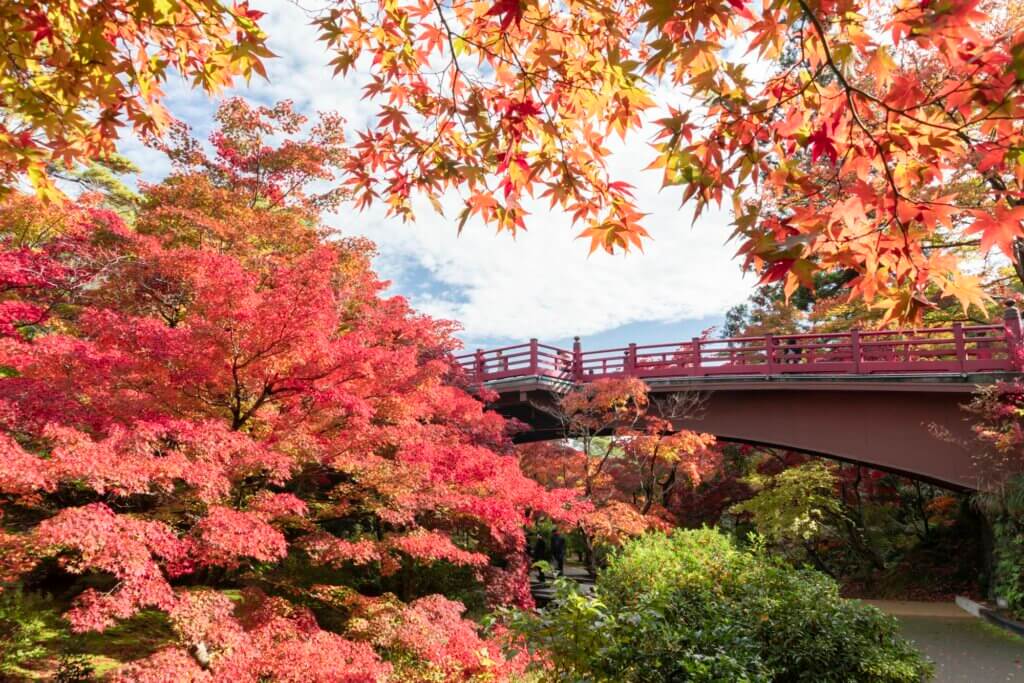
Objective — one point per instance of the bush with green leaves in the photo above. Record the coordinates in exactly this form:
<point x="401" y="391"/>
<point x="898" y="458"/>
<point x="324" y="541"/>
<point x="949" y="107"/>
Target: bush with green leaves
<point x="1008" y="566"/>
<point x="695" y="607"/>
<point x="22" y="626"/>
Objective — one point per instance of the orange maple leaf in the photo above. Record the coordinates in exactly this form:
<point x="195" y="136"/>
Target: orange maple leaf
<point x="999" y="228"/>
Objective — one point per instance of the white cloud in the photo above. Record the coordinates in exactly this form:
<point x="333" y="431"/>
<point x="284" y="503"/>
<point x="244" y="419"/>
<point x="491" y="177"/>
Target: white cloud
<point x="543" y="284"/>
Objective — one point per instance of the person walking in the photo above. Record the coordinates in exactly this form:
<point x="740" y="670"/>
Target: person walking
<point x="558" y="550"/>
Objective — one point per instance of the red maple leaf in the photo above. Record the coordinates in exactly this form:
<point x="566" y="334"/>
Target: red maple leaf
<point x="776" y="271"/>
<point x="821" y="145"/>
<point x="40" y="26"/>
<point x="508" y="10"/>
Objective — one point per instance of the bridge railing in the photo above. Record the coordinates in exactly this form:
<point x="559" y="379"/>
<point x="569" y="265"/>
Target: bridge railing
<point x="956" y="348"/>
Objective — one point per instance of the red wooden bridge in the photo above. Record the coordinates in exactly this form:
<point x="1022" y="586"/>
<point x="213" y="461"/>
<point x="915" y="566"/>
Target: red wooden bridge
<point x="873" y="397"/>
<point x="954" y="349"/>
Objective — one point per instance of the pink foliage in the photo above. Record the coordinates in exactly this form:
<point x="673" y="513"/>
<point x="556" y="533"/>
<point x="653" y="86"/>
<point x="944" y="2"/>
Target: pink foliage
<point x="431" y="546"/>
<point x="510" y="586"/>
<point x="219" y="388"/>
<point x="227" y="536"/>
<point x="269" y="506"/>
<point x="15" y="313"/>
<point x="22" y="473"/>
<point x="128" y="548"/>
<point x="169" y="665"/>
<point x="206" y="617"/>
<point x="432" y="629"/>
<point x="327" y="549"/>
<point x="268" y="639"/>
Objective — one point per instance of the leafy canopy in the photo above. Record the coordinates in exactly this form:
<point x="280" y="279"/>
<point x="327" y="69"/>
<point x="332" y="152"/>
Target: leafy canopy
<point x="884" y="134"/>
<point x="75" y="73"/>
<point x="631" y="462"/>
<point x="880" y="138"/>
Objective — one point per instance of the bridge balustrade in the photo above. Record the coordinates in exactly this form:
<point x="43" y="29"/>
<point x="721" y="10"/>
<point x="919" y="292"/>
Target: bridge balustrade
<point x="952" y="349"/>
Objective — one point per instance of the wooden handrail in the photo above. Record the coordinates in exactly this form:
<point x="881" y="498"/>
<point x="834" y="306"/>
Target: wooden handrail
<point x="954" y="349"/>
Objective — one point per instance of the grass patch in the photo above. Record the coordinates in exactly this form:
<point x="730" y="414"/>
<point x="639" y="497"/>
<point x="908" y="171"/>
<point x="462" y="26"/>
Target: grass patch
<point x="1001" y="633"/>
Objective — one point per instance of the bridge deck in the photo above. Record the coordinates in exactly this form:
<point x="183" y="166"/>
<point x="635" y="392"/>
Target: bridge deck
<point x="946" y="351"/>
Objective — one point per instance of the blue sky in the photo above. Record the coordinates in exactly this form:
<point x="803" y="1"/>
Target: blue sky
<point x="541" y="284"/>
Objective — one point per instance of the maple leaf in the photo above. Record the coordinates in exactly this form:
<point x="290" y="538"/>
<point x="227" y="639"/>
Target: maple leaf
<point x="123" y="51"/>
<point x="244" y="9"/>
<point x="509" y="10"/>
<point x="776" y="271"/>
<point x="741" y="8"/>
<point x="966" y="289"/>
<point x="40" y="27"/>
<point x="822" y="145"/>
<point x="998" y="228"/>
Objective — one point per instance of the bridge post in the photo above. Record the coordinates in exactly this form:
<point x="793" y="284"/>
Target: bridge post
<point x="855" y="350"/>
<point x="577" y="359"/>
<point x="961" y="347"/>
<point x="534" y="360"/>
<point x="695" y="346"/>
<point x="478" y="366"/>
<point x="769" y="353"/>
<point x="629" y="366"/>
<point x="1012" y="326"/>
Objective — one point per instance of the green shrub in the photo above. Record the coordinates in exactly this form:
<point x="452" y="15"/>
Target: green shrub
<point x="22" y="628"/>
<point x="1008" y="570"/>
<point x="694" y="607"/>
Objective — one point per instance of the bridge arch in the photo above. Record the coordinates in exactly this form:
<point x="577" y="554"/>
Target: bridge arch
<point x="888" y="425"/>
<point x="875" y="402"/>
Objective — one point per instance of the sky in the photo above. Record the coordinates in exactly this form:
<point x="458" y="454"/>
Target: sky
<point x="502" y="290"/>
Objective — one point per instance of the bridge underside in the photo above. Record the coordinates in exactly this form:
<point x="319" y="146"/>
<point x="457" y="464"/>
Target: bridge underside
<point x="886" y="423"/>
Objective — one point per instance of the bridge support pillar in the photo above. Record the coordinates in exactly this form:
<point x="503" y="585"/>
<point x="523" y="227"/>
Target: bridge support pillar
<point x="478" y="366"/>
<point x="629" y="367"/>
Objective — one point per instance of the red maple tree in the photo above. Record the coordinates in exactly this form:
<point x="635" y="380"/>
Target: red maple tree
<point x="196" y="405"/>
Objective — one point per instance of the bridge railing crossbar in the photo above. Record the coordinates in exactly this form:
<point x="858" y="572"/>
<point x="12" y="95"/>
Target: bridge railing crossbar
<point x="955" y="348"/>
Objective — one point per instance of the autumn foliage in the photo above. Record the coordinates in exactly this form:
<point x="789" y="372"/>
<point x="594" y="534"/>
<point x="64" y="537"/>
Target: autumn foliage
<point x="995" y="412"/>
<point x="235" y="428"/>
<point x="624" y="457"/>
<point x="844" y="135"/>
<point x="74" y="75"/>
<point x="882" y="138"/>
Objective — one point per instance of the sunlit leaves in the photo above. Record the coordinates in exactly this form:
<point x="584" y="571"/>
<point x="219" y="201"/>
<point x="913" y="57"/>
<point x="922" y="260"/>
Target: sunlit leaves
<point x="999" y="228"/>
<point x="626" y="457"/>
<point x="912" y="110"/>
<point x="77" y="73"/>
